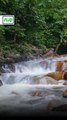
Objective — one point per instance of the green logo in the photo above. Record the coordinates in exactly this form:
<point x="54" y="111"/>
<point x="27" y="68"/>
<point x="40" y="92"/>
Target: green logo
<point x="8" y="19"/>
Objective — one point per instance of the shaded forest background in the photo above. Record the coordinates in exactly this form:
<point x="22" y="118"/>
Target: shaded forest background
<point x="39" y="25"/>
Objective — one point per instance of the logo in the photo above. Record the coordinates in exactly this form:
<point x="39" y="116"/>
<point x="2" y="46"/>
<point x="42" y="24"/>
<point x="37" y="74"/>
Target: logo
<point x="7" y="20"/>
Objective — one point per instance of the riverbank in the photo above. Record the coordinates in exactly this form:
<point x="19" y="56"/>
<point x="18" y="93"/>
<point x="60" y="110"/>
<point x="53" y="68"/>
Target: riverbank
<point x="14" y="53"/>
<point x="27" y="56"/>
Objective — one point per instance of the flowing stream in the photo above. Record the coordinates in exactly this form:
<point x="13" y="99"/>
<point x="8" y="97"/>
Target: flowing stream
<point x="16" y="93"/>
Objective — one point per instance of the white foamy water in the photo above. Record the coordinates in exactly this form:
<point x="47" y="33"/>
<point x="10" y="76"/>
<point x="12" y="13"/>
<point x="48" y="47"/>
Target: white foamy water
<point x="18" y="86"/>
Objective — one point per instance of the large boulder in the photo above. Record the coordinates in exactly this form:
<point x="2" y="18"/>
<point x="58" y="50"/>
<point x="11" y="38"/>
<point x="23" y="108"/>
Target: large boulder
<point x="44" y="80"/>
<point x="56" y="75"/>
<point x="1" y="83"/>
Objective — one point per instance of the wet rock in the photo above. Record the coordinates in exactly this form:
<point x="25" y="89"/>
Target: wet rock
<point x="13" y="92"/>
<point x="1" y="83"/>
<point x="52" y="104"/>
<point x="0" y="73"/>
<point x="65" y="65"/>
<point x="2" y="70"/>
<point x="59" y="65"/>
<point x="65" y="93"/>
<point x="50" y="53"/>
<point x="60" y="108"/>
<point x="44" y="80"/>
<point x="11" y="67"/>
<point x="65" y="61"/>
<point x="9" y="60"/>
<point x="36" y="93"/>
<point x="19" y="58"/>
<point x="65" y="83"/>
<point x="40" y="94"/>
<point x="56" y="75"/>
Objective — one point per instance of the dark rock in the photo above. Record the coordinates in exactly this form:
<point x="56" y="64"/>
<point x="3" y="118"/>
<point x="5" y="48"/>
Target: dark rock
<point x="17" y="58"/>
<point x="11" y="67"/>
<point x="60" y="108"/>
<point x="15" y="93"/>
<point x="1" y="83"/>
<point x="52" y="104"/>
<point x="65" y="93"/>
<point x="2" y="70"/>
<point x="9" y="60"/>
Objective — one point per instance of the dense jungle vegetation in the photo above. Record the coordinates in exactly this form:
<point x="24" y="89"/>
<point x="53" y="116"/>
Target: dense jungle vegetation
<point x="39" y="24"/>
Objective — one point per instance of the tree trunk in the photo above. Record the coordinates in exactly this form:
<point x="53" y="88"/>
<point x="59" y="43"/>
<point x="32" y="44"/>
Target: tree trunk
<point x="58" y="46"/>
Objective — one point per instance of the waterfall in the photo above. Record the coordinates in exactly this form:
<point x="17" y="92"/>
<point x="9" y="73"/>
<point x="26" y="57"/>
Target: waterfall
<point x="26" y="71"/>
<point x="16" y="94"/>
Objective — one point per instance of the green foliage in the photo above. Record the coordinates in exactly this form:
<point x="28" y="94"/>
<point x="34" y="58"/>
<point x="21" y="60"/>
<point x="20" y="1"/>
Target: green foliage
<point x="37" y="22"/>
<point x="14" y="33"/>
<point x="2" y="32"/>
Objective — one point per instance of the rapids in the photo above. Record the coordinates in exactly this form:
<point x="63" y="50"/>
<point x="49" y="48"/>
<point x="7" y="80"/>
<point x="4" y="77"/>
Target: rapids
<point x="15" y="94"/>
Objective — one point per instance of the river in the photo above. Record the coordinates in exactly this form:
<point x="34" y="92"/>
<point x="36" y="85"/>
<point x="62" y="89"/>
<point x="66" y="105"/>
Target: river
<point x="16" y="93"/>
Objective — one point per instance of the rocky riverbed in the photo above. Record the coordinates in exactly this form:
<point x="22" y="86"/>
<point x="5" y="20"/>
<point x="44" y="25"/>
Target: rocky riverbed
<point x="21" y="96"/>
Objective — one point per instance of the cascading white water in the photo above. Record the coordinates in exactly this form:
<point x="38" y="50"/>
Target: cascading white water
<point x="25" y="71"/>
<point x="18" y="86"/>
